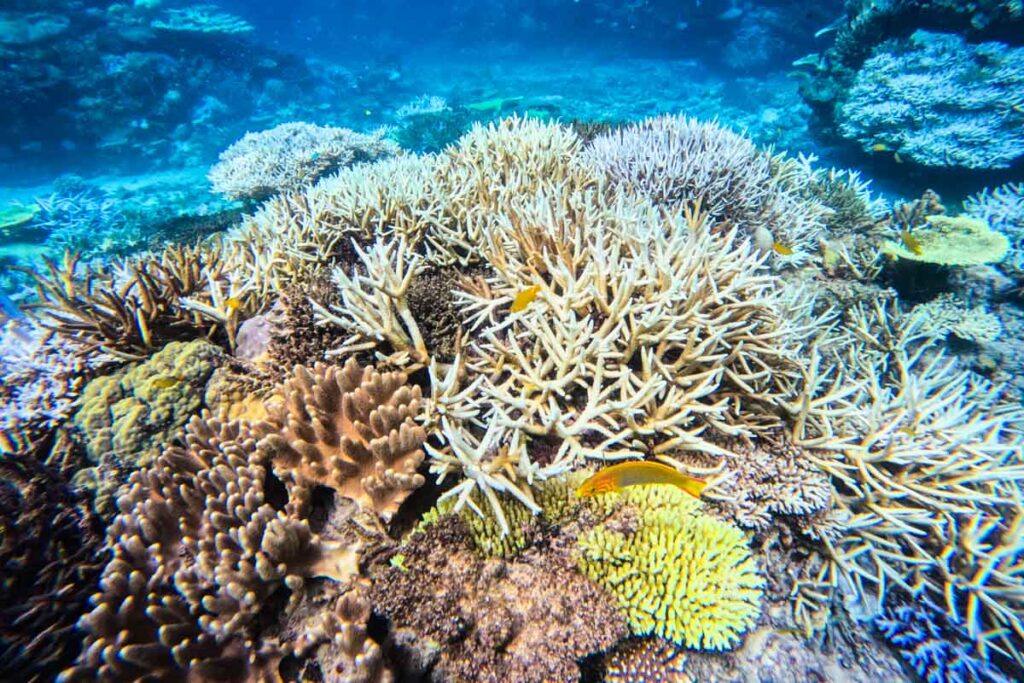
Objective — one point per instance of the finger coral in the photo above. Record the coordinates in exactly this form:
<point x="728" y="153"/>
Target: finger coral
<point x="141" y="303"/>
<point x="289" y="156"/>
<point x="676" y="572"/>
<point x="926" y="467"/>
<point x="200" y="546"/>
<point x="51" y="553"/>
<point x="675" y="160"/>
<point x="352" y="429"/>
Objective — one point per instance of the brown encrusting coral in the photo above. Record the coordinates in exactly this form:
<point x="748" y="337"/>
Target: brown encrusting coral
<point x="352" y="429"/>
<point x="530" y="620"/>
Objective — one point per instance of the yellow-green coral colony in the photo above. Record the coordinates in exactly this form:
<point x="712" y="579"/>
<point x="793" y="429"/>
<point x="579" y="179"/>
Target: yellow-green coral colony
<point x="680" y="573"/>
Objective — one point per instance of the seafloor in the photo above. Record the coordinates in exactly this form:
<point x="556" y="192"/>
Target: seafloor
<point x="322" y="409"/>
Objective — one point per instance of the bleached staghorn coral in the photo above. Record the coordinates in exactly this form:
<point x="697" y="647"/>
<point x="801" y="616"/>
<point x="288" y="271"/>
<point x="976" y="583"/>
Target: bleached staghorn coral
<point x="375" y="303"/>
<point x="673" y="160"/>
<point x="649" y="326"/>
<point x="947" y="315"/>
<point x="926" y="464"/>
<point x="289" y="156"/>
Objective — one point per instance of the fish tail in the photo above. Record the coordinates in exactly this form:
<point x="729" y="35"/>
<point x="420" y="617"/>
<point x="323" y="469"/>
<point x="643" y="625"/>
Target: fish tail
<point x="692" y="485"/>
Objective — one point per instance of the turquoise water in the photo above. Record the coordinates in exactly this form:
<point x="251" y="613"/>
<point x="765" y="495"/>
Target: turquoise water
<point x="318" y="315"/>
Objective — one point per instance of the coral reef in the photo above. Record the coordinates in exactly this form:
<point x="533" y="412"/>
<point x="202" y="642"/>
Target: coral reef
<point x="676" y="571"/>
<point x="133" y="413"/>
<point x="531" y="619"/>
<point x="289" y="156"/>
<point x="52" y="555"/>
<point x="201" y="19"/>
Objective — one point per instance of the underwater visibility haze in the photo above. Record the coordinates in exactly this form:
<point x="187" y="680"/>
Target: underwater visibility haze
<point x="512" y="340"/>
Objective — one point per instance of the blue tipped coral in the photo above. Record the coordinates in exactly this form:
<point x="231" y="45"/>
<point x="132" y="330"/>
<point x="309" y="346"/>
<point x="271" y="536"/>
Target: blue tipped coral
<point x="921" y="636"/>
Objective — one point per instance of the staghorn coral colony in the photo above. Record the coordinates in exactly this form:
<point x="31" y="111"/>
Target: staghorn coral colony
<point x="342" y="440"/>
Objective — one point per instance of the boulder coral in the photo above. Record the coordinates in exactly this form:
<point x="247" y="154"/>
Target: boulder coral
<point x="134" y="413"/>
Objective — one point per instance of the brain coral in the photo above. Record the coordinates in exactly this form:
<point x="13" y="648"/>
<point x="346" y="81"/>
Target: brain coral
<point x="677" y="572"/>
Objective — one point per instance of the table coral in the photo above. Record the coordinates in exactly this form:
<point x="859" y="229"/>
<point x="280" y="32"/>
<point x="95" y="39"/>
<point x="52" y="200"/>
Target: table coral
<point x="952" y="241"/>
<point x="133" y="413"/>
<point x="676" y="571"/>
<point x="939" y="101"/>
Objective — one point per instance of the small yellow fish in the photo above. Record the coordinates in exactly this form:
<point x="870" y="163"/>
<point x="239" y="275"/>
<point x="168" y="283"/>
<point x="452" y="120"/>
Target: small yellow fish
<point x="617" y="477"/>
<point x="524" y="298"/>
<point x="912" y="243"/>
<point x="879" y="147"/>
<point x="781" y="249"/>
<point x="909" y="431"/>
<point x="234" y="304"/>
<point x="166" y="382"/>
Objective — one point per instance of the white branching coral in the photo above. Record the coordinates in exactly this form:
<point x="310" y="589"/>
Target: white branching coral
<point x="675" y="160"/>
<point x="922" y="456"/>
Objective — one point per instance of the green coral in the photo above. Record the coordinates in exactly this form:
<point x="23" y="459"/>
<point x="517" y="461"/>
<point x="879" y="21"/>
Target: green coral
<point x="953" y="241"/>
<point x="676" y="571"/>
<point x="134" y="412"/>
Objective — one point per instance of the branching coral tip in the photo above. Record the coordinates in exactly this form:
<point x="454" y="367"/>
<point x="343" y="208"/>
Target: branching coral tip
<point x="617" y="477"/>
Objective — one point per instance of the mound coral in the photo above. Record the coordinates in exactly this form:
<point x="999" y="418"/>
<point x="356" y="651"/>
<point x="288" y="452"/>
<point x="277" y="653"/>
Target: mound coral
<point x="646" y="659"/>
<point x="677" y="572"/>
<point x="134" y="413"/>
<point x="51" y="552"/>
<point x="952" y="241"/>
<point x="289" y="156"/>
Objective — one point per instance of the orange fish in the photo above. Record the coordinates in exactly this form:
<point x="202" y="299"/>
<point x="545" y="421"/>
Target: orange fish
<point x="781" y="249"/>
<point x="234" y="304"/>
<point x="524" y="298"/>
<point x="912" y="243"/>
<point x="617" y="477"/>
